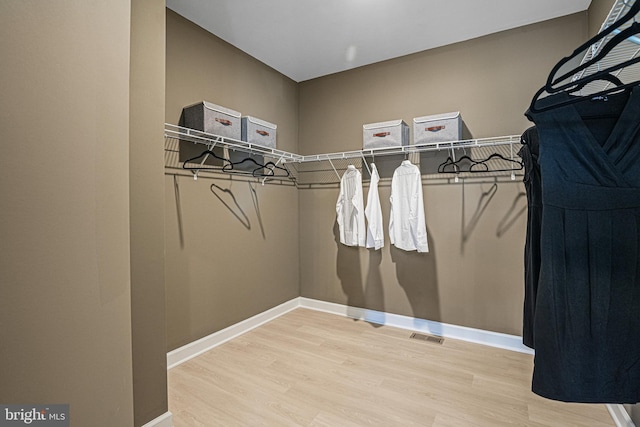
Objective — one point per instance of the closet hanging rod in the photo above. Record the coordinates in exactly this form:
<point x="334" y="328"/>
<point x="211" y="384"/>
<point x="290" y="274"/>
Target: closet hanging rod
<point x="195" y="136"/>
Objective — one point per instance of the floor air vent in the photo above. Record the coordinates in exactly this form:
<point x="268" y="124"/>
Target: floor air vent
<point x="429" y="338"/>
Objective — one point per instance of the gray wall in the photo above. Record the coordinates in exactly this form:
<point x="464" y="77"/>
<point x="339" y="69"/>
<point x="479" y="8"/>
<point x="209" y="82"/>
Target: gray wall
<point x="473" y="275"/>
<point x="598" y="12"/>
<point x="146" y="198"/>
<point x="232" y="252"/>
<point x="83" y="232"/>
<point x="65" y="299"/>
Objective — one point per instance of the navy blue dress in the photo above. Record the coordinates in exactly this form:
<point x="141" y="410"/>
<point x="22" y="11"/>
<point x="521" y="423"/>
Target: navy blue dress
<point x="587" y="314"/>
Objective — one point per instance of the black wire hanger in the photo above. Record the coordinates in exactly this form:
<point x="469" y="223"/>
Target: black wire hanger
<point x="476" y="166"/>
<point x="606" y="77"/>
<point x="274" y="171"/>
<point x="634" y="9"/>
<point x="455" y="164"/>
<point x="202" y="158"/>
<point x="259" y="170"/>
<point x="515" y="164"/>
<point x="601" y="95"/>
<point x="554" y="86"/>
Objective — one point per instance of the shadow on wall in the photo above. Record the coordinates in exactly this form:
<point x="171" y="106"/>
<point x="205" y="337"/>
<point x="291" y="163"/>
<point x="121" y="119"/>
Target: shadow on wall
<point x="256" y="206"/>
<point x="469" y="225"/>
<point x="176" y="190"/>
<point x="512" y="214"/>
<point x="187" y="277"/>
<point x="417" y="275"/>
<point x="228" y="199"/>
<point x="373" y="291"/>
<point x="178" y="331"/>
<point x="348" y="270"/>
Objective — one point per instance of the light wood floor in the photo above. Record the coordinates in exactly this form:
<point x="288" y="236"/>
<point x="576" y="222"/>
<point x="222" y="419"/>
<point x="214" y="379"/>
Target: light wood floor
<point x="309" y="368"/>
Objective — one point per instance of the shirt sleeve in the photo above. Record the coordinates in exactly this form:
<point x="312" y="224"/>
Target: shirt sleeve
<point x="373" y="213"/>
<point x="358" y="204"/>
<point x="340" y="211"/>
<point x="419" y="227"/>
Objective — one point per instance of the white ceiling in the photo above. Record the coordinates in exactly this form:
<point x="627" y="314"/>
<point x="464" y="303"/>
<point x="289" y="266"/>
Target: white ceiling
<point x="305" y="39"/>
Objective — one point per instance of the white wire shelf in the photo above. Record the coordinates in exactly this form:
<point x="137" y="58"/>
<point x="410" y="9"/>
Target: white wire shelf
<point x="212" y="141"/>
<point x="418" y="148"/>
<point x="326" y="168"/>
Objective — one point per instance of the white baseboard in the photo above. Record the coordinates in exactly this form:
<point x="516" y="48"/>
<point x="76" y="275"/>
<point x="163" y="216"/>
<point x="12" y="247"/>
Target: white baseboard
<point x="620" y="416"/>
<point x="195" y="348"/>
<point x="478" y="336"/>
<point x="164" y="420"/>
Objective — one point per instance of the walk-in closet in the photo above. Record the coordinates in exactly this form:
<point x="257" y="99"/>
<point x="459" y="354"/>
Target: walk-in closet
<point x="335" y="214"/>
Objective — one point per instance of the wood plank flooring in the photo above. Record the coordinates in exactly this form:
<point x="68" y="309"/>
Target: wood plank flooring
<point x="309" y="368"/>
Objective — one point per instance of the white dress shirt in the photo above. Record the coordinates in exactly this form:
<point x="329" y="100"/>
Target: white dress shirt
<point x="350" y="208"/>
<point x="407" y="228"/>
<point x="373" y="212"/>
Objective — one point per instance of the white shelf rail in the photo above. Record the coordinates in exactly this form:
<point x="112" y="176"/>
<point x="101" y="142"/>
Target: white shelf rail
<point x="211" y="141"/>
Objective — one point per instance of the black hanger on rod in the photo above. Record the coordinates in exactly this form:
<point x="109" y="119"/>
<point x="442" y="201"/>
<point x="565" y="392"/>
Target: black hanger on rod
<point x="634" y="9"/>
<point x="259" y="170"/>
<point x="607" y="77"/>
<point x="231" y="166"/>
<point x="442" y="167"/>
<point x="601" y="95"/>
<point x="274" y="171"/>
<point x="457" y="165"/>
<point x="601" y="74"/>
<point x="202" y="157"/>
<point x="476" y="166"/>
<point x="516" y="165"/>
<point x="554" y="85"/>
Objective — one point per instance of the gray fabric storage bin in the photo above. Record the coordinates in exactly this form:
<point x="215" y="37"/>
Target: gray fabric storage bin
<point x="437" y="128"/>
<point x="256" y="131"/>
<point x="212" y="118"/>
<point x="394" y="133"/>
